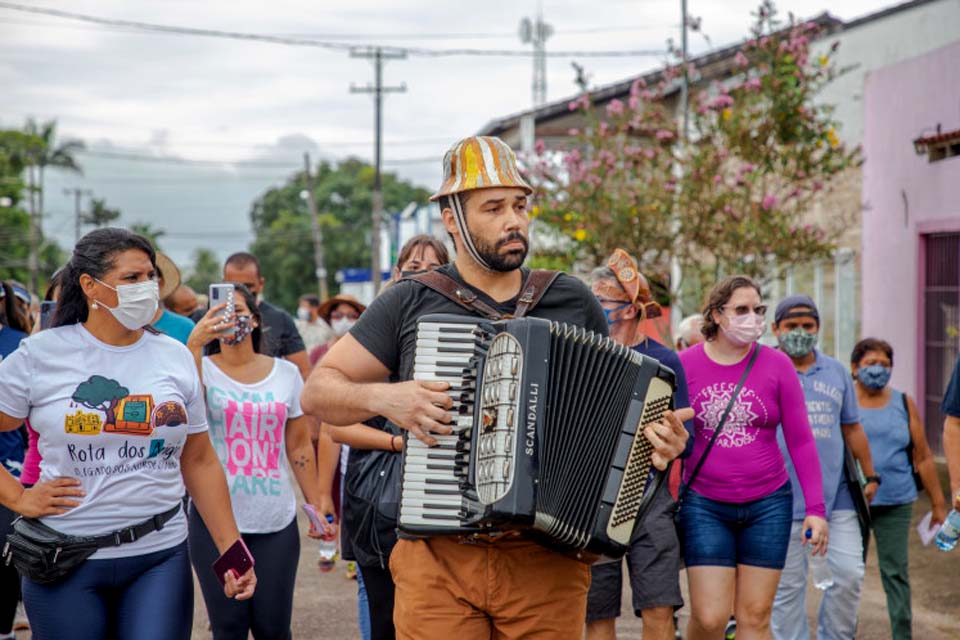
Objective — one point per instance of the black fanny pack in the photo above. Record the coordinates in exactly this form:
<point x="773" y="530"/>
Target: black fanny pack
<point x="44" y="555"/>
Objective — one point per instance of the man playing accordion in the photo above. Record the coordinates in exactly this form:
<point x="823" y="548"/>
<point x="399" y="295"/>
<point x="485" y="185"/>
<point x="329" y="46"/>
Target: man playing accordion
<point x="486" y="585"/>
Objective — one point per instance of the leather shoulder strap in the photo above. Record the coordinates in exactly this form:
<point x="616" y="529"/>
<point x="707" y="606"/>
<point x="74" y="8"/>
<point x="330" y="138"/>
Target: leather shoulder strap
<point x="456" y="292"/>
<point x="537" y="284"/>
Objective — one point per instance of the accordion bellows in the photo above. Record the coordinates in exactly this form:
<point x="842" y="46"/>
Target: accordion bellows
<point x="547" y="434"/>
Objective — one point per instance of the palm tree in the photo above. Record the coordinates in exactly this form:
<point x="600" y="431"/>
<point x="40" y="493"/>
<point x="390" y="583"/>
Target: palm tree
<point x="100" y="215"/>
<point x="50" y="154"/>
<point x="146" y="230"/>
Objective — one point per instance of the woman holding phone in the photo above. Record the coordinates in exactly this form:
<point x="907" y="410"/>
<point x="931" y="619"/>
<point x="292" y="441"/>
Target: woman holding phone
<point x="257" y="428"/>
<point x="120" y="417"/>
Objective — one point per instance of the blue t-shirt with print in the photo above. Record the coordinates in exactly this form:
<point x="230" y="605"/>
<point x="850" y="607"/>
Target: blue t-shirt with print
<point x="831" y="402"/>
<point x="669" y="358"/>
<point x="12" y="443"/>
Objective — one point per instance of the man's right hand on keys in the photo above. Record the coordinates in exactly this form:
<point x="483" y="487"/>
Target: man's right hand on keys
<point x="419" y="407"/>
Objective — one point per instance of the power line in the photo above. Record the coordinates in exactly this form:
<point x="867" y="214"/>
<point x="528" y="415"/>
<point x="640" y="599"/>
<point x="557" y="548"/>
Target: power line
<point x="409" y="142"/>
<point x="310" y="42"/>
<point x="232" y="164"/>
<point x="382" y="36"/>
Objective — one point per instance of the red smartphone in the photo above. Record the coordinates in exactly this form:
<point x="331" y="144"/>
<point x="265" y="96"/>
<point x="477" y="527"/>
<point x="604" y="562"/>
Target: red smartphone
<point x="237" y="559"/>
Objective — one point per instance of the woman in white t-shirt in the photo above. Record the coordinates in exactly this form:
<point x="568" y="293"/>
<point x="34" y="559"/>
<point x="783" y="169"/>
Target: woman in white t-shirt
<point x="259" y="433"/>
<point x="120" y="416"/>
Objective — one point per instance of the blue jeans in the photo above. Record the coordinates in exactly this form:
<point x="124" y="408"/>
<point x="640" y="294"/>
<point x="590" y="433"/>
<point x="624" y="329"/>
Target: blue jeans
<point x="840" y="603"/>
<point x="148" y="597"/>
<point x="363" y="607"/>
<point x="725" y="534"/>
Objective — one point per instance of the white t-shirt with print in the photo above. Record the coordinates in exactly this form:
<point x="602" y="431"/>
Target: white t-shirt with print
<point x="247" y="427"/>
<point x="117" y="419"/>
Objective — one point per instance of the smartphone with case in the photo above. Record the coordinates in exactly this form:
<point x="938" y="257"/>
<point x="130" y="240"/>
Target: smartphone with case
<point x="314" y="518"/>
<point x="47" y="307"/>
<point x="219" y="294"/>
<point x="237" y="559"/>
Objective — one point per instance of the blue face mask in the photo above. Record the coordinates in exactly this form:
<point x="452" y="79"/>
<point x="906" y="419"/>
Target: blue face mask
<point x="609" y="312"/>
<point x="875" y="376"/>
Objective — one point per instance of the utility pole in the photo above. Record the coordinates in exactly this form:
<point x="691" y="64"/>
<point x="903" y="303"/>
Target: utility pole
<point x="378" y="55"/>
<point x="536" y="32"/>
<point x="685" y="87"/>
<point x="676" y="273"/>
<point x="78" y="215"/>
<point x="33" y="259"/>
<point x="318" y="257"/>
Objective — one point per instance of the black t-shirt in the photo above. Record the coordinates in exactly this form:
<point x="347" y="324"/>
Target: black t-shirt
<point x="388" y="328"/>
<point x="280" y="335"/>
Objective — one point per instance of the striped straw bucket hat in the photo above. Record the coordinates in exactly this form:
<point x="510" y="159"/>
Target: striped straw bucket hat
<point x="479" y="162"/>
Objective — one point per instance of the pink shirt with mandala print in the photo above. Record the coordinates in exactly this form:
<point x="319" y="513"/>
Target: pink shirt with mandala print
<point x="746" y="462"/>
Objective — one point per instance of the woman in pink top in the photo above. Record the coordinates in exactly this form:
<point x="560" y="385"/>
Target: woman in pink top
<point x="735" y="518"/>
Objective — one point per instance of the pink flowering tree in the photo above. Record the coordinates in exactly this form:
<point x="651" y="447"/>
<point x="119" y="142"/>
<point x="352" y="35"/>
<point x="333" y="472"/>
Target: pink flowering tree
<point x="736" y="197"/>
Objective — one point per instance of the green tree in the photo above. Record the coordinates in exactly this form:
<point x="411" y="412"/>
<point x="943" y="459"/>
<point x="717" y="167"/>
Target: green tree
<point x="16" y="149"/>
<point x="146" y="230"/>
<point x="100" y="215"/>
<point x="205" y="270"/>
<point x="102" y="394"/>
<point x="736" y="197"/>
<point x="344" y="196"/>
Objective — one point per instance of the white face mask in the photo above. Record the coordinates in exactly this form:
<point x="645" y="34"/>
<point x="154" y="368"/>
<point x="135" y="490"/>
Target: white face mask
<point x="303" y="314"/>
<point x="137" y="303"/>
<point x="342" y="326"/>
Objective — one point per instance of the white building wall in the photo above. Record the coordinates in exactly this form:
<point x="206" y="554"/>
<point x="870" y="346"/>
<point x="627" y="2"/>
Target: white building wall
<point x="880" y="43"/>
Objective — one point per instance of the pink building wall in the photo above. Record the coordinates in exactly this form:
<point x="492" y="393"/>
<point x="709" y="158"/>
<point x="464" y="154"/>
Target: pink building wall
<point x="905" y="196"/>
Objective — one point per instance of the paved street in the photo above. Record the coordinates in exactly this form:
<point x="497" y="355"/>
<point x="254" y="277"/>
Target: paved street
<point x="326" y="602"/>
<point x="325" y="605"/>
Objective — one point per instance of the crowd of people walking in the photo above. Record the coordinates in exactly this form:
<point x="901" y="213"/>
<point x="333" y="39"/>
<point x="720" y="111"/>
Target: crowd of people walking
<point x="153" y="437"/>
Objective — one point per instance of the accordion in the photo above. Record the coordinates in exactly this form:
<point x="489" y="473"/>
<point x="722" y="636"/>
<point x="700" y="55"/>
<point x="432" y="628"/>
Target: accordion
<point x="547" y="435"/>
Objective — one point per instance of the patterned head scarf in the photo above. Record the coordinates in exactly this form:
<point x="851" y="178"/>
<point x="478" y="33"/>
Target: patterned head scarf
<point x="631" y="281"/>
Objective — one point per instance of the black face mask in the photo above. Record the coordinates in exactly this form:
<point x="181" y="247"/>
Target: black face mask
<point x="407" y="274"/>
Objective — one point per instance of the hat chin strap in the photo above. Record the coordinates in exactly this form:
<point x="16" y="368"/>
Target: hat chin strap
<point x="461" y="221"/>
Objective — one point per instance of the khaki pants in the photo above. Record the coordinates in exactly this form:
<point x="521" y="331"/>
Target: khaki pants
<point x="480" y="589"/>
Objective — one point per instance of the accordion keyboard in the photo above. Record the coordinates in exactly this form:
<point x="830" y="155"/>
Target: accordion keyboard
<point x="431" y="493"/>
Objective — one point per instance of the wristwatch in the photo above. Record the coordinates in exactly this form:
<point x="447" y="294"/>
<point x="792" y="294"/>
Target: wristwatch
<point x="876" y="479"/>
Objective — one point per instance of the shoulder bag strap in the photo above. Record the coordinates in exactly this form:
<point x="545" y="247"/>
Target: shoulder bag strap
<point x="723" y="420"/>
<point x="913" y="466"/>
<point x="456" y="292"/>
<point x="537" y="284"/>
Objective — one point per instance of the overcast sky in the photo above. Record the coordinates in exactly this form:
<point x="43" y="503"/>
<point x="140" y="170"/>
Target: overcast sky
<point x="227" y="101"/>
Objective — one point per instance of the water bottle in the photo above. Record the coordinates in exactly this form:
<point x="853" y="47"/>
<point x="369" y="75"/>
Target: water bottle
<point x="328" y="549"/>
<point x="819" y="568"/>
<point x="949" y="532"/>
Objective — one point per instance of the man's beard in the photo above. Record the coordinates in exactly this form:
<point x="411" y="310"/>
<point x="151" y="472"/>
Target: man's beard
<point x="502" y="262"/>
